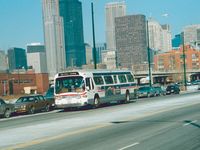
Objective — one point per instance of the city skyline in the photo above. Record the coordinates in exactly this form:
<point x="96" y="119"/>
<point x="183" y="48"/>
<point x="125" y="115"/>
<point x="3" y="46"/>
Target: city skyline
<point x="26" y="17"/>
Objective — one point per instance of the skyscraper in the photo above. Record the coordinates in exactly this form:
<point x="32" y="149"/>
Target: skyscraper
<point x="131" y="40"/>
<point x="113" y="10"/>
<point x="54" y="37"/>
<point x="17" y="58"/>
<point x="71" y="11"/>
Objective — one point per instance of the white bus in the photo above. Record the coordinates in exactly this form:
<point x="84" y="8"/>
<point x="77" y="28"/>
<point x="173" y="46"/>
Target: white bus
<point x="93" y="87"/>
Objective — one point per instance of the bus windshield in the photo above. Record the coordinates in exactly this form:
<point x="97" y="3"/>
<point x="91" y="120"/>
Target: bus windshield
<point x="69" y="84"/>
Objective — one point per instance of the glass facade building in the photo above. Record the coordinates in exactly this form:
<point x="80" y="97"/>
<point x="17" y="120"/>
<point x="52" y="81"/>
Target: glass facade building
<point x="17" y="58"/>
<point x="71" y="11"/>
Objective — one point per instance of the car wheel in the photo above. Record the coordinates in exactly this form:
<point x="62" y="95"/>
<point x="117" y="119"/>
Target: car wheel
<point x="7" y="113"/>
<point x="148" y="95"/>
<point x="32" y="110"/>
<point x="47" y="108"/>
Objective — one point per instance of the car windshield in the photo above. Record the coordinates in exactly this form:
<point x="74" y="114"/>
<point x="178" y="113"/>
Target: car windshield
<point x="69" y="84"/>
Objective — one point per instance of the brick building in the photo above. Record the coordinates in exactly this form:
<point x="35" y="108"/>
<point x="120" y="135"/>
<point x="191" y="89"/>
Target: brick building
<point x="17" y="83"/>
<point x="173" y="60"/>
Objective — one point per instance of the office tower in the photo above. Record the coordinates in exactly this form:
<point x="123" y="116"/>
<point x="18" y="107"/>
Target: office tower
<point x="166" y="38"/>
<point x="3" y="61"/>
<point x="131" y="40"/>
<point x="113" y="10"/>
<point x="191" y="34"/>
<point x="35" y="47"/>
<point x="54" y="37"/>
<point x="17" y="58"/>
<point x="71" y="11"/>
<point x="36" y="57"/>
<point x="176" y="41"/>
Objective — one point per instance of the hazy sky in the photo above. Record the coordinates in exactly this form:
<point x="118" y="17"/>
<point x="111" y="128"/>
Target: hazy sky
<point x="21" y="20"/>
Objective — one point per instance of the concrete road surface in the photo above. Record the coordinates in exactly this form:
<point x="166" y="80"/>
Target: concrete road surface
<point x="161" y="123"/>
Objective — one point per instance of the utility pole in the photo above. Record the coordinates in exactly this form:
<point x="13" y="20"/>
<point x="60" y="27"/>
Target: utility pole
<point x="184" y="64"/>
<point x="149" y="56"/>
<point x="94" y="44"/>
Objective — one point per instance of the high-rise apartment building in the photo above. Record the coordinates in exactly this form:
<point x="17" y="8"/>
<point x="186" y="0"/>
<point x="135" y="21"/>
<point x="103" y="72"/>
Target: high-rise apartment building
<point x="36" y="58"/>
<point x="71" y="11"/>
<point x="113" y="10"/>
<point x="191" y="34"/>
<point x="159" y="36"/>
<point x="54" y="37"/>
<point x="166" y="38"/>
<point x="17" y="58"/>
<point x="131" y="40"/>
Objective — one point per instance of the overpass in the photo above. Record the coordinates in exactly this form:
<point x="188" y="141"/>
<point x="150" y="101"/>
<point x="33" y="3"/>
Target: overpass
<point x="164" y="77"/>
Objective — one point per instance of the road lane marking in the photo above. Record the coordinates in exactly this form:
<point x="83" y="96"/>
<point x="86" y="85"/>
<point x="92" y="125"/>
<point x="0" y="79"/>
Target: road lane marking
<point x="190" y="122"/>
<point x="129" y="146"/>
<point x="57" y="137"/>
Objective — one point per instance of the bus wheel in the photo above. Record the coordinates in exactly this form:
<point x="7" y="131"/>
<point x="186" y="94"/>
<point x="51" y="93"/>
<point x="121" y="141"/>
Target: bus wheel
<point x="96" y="102"/>
<point x="127" y="97"/>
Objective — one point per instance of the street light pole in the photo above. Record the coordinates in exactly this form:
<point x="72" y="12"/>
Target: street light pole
<point x="184" y="64"/>
<point x="149" y="56"/>
<point x="94" y="44"/>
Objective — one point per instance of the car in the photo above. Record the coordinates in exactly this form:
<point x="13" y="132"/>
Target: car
<point x="49" y="95"/>
<point x="6" y="109"/>
<point x="146" y="91"/>
<point x="160" y="91"/>
<point x="196" y="82"/>
<point x="172" y="89"/>
<point x="31" y="104"/>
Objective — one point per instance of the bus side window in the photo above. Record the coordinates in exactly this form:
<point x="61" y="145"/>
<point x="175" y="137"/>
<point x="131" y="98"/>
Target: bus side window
<point x="88" y="85"/>
<point x="122" y="78"/>
<point x="115" y="78"/>
<point x="92" y="84"/>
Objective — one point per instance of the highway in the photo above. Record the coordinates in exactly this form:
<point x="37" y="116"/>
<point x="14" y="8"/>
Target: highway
<point x="158" y="123"/>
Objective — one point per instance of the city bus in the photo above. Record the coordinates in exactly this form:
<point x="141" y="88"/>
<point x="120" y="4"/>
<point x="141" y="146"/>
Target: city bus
<point x="93" y="87"/>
